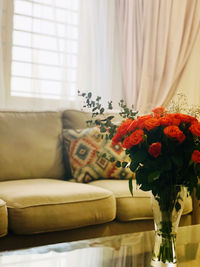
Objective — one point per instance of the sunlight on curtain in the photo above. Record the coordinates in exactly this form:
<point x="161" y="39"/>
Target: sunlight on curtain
<point x="42" y="51"/>
<point x="157" y="38"/>
<point x="99" y="66"/>
<point x="2" y="85"/>
<point x="45" y="46"/>
<point x="190" y="81"/>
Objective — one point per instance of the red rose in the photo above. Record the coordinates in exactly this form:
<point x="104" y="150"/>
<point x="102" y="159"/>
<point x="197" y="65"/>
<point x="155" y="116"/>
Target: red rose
<point x="134" y="139"/>
<point x="175" y="133"/>
<point x="173" y="119"/>
<point x="121" y="131"/>
<point x="142" y="119"/>
<point x="196" y="156"/>
<point x="181" y="138"/>
<point x="126" y="143"/>
<point x="187" y="119"/>
<point x="164" y="121"/>
<point x="151" y="123"/>
<point x="155" y="149"/>
<point x="123" y="128"/>
<point x="195" y="129"/>
<point x="116" y="138"/>
<point x="133" y="126"/>
<point x="158" y="112"/>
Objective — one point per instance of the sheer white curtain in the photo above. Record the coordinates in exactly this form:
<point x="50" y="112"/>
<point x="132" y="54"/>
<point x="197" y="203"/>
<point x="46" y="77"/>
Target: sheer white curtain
<point x="99" y="66"/>
<point x="54" y="48"/>
<point x="2" y="85"/>
<point x="157" y="37"/>
<point x="190" y="80"/>
<point x="40" y="52"/>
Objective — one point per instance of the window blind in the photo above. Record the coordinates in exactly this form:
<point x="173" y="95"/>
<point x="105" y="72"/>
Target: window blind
<point x="44" y="48"/>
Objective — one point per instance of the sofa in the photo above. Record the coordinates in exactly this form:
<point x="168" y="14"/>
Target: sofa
<point x="39" y="201"/>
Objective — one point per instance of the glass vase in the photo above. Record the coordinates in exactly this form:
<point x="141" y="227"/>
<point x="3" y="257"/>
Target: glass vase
<point x="167" y="209"/>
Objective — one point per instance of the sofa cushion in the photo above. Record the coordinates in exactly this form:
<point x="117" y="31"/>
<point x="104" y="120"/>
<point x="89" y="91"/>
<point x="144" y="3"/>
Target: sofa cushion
<point x="31" y="145"/>
<point x="3" y="218"/>
<point x="85" y="149"/>
<point x="45" y="205"/>
<point x="137" y="207"/>
<point x="76" y="119"/>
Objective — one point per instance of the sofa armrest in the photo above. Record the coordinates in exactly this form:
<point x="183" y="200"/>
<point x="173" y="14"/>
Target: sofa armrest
<point x="3" y="218"/>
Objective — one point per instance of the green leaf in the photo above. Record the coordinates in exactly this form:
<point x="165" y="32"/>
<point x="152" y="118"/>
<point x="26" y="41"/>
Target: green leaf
<point x="98" y="98"/>
<point x="166" y="164"/>
<point x="140" y="156"/>
<point x="153" y="176"/>
<point x="124" y="164"/>
<point x="97" y="122"/>
<point x="95" y="108"/>
<point x="110" y="105"/>
<point x="145" y="187"/>
<point x="133" y="166"/>
<point x="118" y="164"/>
<point x="177" y="160"/>
<point x="102" y="129"/>
<point x="104" y="155"/>
<point x="89" y="95"/>
<point x="131" y="185"/>
<point x="101" y="110"/>
<point x="112" y="159"/>
<point x="141" y="176"/>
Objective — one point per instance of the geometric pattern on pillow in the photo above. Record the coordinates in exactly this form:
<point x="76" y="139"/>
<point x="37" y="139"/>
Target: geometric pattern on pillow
<point x="86" y="164"/>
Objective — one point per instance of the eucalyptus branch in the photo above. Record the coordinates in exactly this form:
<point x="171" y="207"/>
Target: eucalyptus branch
<point x="104" y="121"/>
<point x="107" y="127"/>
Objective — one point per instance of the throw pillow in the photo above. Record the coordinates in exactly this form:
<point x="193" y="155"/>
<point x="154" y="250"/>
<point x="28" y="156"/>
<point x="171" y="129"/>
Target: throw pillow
<point x="86" y="164"/>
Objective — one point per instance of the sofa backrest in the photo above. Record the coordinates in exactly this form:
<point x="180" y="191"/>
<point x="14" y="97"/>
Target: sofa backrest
<point x="31" y="145"/>
<point x="75" y="119"/>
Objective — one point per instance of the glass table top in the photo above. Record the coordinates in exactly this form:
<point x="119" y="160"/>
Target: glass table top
<point x="129" y="250"/>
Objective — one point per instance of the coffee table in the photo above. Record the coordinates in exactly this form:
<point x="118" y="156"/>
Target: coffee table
<point x="129" y="250"/>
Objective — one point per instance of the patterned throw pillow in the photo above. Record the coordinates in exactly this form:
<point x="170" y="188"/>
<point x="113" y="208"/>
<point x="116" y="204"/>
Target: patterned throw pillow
<point x="86" y="164"/>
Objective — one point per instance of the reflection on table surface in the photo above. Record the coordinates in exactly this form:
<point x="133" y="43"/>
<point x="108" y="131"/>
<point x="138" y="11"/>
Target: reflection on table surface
<point x="128" y="250"/>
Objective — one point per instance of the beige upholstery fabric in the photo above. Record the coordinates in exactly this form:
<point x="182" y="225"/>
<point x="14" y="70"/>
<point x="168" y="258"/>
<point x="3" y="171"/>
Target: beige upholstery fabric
<point x="44" y="205"/>
<point x="31" y="145"/>
<point x="137" y="207"/>
<point x="3" y="218"/>
<point x="74" y="119"/>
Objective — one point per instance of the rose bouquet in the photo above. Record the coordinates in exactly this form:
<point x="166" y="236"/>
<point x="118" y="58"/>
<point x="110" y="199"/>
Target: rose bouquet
<point x="164" y="152"/>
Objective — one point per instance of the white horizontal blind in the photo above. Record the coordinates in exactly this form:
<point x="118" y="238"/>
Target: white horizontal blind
<point x="44" y="48"/>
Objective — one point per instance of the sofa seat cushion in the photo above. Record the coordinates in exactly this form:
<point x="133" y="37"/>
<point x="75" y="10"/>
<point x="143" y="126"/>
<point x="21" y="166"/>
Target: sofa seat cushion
<point x="3" y="218"/>
<point x="137" y="207"/>
<point x="45" y="205"/>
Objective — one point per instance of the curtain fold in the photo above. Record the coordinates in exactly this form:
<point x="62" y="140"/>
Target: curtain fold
<point x="2" y="84"/>
<point x="99" y="63"/>
<point x="156" y="39"/>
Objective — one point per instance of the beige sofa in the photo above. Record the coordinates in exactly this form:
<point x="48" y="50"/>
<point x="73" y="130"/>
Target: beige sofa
<point x="41" y="205"/>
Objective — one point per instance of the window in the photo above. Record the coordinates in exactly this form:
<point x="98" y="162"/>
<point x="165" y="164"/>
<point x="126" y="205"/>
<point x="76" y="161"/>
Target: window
<point x="44" y="47"/>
